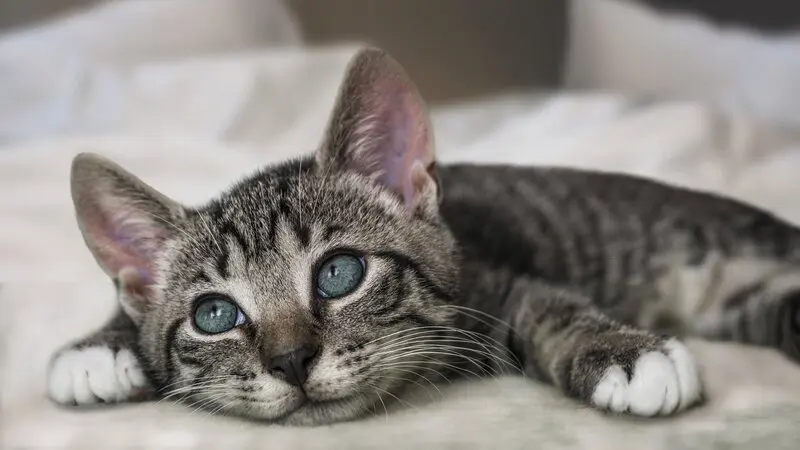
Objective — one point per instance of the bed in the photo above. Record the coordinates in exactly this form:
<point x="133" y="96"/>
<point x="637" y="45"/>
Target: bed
<point x="192" y="122"/>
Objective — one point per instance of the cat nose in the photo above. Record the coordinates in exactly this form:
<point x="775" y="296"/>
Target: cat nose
<point x="292" y="366"/>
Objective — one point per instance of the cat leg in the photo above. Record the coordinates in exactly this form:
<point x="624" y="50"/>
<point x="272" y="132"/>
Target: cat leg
<point x="560" y="337"/>
<point x="101" y="368"/>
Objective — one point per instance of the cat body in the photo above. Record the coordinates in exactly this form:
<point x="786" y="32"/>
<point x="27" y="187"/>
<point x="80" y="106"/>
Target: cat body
<point x="320" y="289"/>
<point x="647" y="254"/>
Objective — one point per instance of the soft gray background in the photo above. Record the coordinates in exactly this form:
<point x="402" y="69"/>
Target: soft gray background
<point x="457" y="49"/>
<point x="452" y="48"/>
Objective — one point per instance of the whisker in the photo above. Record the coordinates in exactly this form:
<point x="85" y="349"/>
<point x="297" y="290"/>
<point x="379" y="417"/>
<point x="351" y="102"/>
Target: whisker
<point x="392" y="334"/>
<point x="468" y="336"/>
<point x="424" y="339"/>
<point x="411" y="380"/>
<point x="205" y="402"/>
<point x="195" y="388"/>
<point x="431" y="383"/>
<point x="300" y="190"/>
<point x="432" y="328"/>
<point x="426" y="378"/>
<point x="472" y="312"/>
<point x="432" y="353"/>
<point x="414" y="366"/>
<point x="197" y="391"/>
<point x="210" y="233"/>
<point x="222" y="407"/>
<point x="204" y="379"/>
<point x="197" y="384"/>
<point x="386" y="411"/>
<point x="440" y="363"/>
<point x="500" y="363"/>
<point x="165" y="221"/>
<point x="451" y="350"/>
<point x="413" y="369"/>
<point x="399" y="400"/>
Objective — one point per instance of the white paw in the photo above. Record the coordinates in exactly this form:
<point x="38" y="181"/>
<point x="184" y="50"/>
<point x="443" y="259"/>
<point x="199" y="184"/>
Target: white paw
<point x="94" y="374"/>
<point x="662" y="383"/>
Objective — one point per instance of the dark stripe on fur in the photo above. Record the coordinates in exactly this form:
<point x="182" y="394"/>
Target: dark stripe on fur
<point x="330" y="231"/>
<point x="406" y="262"/>
<point x="221" y="262"/>
<point x="201" y="277"/>
<point x="190" y="360"/>
<point x="303" y="233"/>
<point x="250" y="332"/>
<point x="383" y="291"/>
<point x="741" y="297"/>
<point x="172" y="332"/>
<point x="273" y="228"/>
<point x="229" y="229"/>
<point x="407" y="317"/>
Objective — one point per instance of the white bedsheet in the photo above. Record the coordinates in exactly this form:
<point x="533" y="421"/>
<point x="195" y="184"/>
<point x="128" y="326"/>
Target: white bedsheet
<point x="190" y="126"/>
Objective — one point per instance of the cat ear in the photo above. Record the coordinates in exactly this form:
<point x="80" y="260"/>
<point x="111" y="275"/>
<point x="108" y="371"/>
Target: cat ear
<point x="380" y="129"/>
<point x="124" y="223"/>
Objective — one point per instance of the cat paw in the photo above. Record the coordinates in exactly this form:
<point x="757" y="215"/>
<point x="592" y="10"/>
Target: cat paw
<point x="661" y="382"/>
<point x="95" y="374"/>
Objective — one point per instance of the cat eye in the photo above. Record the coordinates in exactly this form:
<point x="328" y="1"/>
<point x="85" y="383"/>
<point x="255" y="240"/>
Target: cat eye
<point x="216" y="314"/>
<point x="339" y="275"/>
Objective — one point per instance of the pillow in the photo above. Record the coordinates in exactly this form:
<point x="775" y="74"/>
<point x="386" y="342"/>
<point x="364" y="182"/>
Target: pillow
<point x="629" y="47"/>
<point x="47" y="69"/>
<point x="133" y="31"/>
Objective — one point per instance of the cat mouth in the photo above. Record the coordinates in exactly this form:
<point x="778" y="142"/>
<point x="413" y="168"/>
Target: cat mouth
<point x="308" y="403"/>
<point x="309" y="411"/>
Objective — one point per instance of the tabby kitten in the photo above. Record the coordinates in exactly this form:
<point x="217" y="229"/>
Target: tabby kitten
<point x="316" y="290"/>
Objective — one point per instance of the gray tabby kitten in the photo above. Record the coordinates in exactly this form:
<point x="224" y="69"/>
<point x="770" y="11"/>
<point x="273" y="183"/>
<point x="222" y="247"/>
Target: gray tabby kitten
<point x="318" y="289"/>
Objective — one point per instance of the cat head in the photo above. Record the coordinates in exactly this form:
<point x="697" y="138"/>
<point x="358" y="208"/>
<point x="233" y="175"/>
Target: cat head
<point x="297" y="294"/>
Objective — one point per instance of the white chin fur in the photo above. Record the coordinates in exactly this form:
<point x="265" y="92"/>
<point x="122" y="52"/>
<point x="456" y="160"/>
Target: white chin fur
<point x="93" y="375"/>
<point x="663" y="382"/>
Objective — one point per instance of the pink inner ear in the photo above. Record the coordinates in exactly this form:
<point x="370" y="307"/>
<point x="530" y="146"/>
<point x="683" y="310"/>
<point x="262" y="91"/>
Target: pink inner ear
<point x="136" y="288"/>
<point x="397" y="156"/>
<point x="123" y="242"/>
<point x="401" y="139"/>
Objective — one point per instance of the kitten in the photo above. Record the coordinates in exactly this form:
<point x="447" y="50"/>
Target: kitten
<point x="316" y="290"/>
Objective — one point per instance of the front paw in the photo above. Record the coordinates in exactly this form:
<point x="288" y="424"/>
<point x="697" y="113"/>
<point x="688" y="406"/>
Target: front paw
<point x="638" y="374"/>
<point x="95" y="374"/>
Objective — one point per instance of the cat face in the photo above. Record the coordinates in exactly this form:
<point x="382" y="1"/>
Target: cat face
<point x="299" y="293"/>
<point x="280" y="299"/>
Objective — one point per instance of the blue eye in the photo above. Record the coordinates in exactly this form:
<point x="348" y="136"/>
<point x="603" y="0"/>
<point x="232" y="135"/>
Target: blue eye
<point x="339" y="275"/>
<point x="217" y="314"/>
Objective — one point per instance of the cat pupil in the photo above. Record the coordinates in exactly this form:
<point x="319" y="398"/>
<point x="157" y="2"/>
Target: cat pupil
<point x="339" y="276"/>
<point x="216" y="315"/>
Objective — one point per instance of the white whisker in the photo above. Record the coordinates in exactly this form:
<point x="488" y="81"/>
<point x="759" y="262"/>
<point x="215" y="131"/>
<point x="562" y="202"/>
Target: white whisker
<point x="386" y="411"/>
<point x="488" y="344"/>
<point x="205" y="379"/>
<point x="411" y="380"/>
<point x="210" y="233"/>
<point x="393" y="396"/>
<point x="440" y="363"/>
